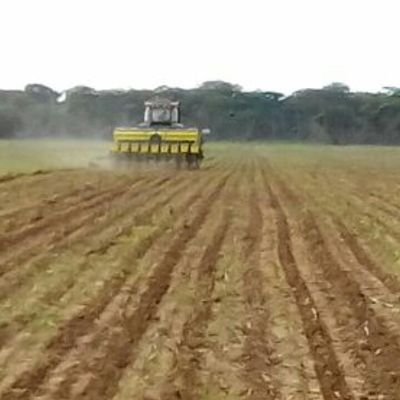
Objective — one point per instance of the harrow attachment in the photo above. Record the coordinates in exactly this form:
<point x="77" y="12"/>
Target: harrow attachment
<point x="161" y="137"/>
<point x="178" y="145"/>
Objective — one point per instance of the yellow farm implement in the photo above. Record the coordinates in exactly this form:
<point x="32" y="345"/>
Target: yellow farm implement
<point x="161" y="137"/>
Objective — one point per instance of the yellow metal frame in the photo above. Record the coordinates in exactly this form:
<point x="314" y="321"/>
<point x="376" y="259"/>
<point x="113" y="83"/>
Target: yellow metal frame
<point x="138" y="141"/>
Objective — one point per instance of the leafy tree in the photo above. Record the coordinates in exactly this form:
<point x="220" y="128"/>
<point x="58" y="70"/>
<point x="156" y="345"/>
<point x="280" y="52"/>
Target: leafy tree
<point x="41" y="93"/>
<point x="332" y="114"/>
<point x="10" y="124"/>
<point x="337" y="87"/>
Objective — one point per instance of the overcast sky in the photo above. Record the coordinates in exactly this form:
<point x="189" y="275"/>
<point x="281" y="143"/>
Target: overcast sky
<point x="281" y="45"/>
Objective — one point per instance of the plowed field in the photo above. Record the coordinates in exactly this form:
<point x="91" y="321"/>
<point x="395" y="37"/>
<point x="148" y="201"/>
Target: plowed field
<point x="264" y="275"/>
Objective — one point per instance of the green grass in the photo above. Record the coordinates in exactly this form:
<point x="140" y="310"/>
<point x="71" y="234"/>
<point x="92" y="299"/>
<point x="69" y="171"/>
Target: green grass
<point x="309" y="154"/>
<point x="42" y="154"/>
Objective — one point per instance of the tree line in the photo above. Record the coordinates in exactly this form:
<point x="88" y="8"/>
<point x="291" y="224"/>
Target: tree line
<point x="332" y="114"/>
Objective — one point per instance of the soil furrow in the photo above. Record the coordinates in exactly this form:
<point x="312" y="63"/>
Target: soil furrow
<point x="184" y="382"/>
<point x="258" y="354"/>
<point x="384" y="233"/>
<point x="378" y="214"/>
<point x="50" y="203"/>
<point x="329" y="372"/>
<point x="29" y="382"/>
<point x="50" y="189"/>
<point x="52" y="220"/>
<point x="37" y="213"/>
<point x="290" y="365"/>
<point x="357" y="190"/>
<point x="377" y="344"/>
<point x="110" y="237"/>
<point x="53" y="239"/>
<point x="14" y="278"/>
<point x="162" y="344"/>
<point x="389" y="280"/>
<point x="13" y="177"/>
<point x="271" y="273"/>
<point x="57" y="293"/>
<point x="118" y="345"/>
<point x="387" y="202"/>
<point x="10" y="177"/>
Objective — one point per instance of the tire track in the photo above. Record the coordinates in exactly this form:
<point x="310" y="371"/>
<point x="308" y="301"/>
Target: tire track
<point x="29" y="382"/>
<point x="328" y="370"/>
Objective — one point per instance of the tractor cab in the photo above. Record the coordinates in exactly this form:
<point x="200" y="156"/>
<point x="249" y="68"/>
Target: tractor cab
<point x="162" y="112"/>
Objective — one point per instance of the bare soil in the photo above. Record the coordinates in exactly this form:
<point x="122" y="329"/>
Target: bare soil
<point x="246" y="279"/>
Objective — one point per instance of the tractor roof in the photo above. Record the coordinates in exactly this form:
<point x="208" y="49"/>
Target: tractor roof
<point x="159" y="101"/>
